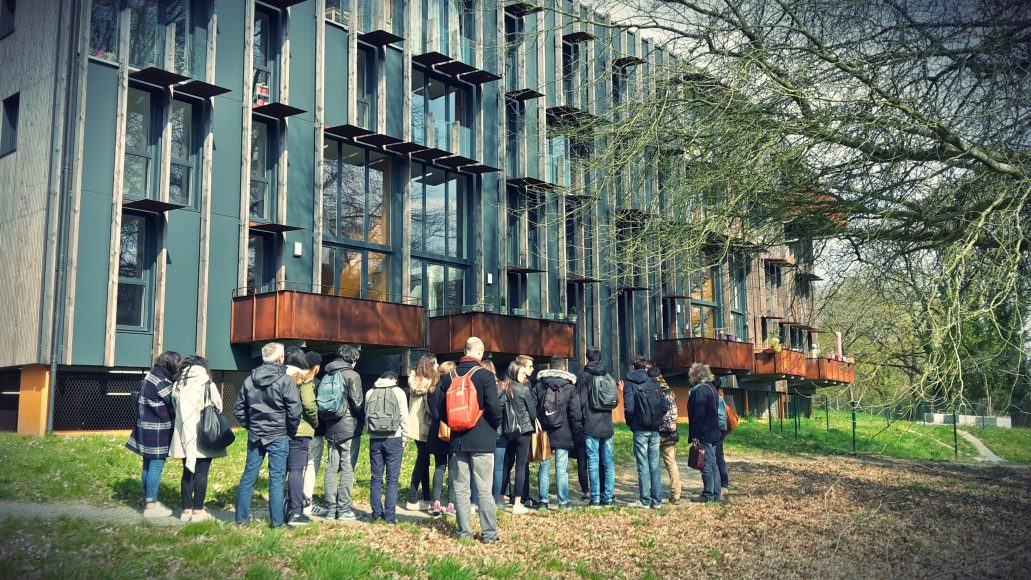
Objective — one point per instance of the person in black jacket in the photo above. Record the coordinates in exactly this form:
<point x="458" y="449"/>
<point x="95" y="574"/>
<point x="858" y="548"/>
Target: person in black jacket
<point x="558" y="410"/>
<point x="473" y="449"/>
<point x="269" y="408"/>
<point x="703" y="416"/>
<point x="343" y="435"/>
<point x="598" y="432"/>
<point x="518" y="449"/>
<point x="646" y="437"/>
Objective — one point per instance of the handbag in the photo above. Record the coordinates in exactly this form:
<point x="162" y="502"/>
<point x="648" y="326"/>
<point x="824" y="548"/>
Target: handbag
<point x="696" y="458"/>
<point x="213" y="432"/>
<point x="540" y="444"/>
<point x="444" y="432"/>
<point x="732" y="419"/>
<point x="671" y="437"/>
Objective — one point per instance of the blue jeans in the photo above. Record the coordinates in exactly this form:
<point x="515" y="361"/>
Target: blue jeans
<point x="646" y="455"/>
<point x="604" y="446"/>
<point x="277" y="452"/>
<point x="710" y="473"/>
<point x="152" y="469"/>
<point x="384" y="454"/>
<point x="499" y="472"/>
<point x="561" y="477"/>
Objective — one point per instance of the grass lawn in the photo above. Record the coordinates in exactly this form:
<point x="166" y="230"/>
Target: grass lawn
<point x="1010" y="444"/>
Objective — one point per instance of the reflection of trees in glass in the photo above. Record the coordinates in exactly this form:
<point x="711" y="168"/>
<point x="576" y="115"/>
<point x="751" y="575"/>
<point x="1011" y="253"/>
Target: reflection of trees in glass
<point x="177" y="14"/>
<point x="379" y="190"/>
<point x="144" y="46"/>
<point x="330" y="186"/>
<point x="182" y="152"/>
<point x="352" y="194"/>
<point x="103" y="28"/>
<point x="129" y="265"/>
<point x="138" y="146"/>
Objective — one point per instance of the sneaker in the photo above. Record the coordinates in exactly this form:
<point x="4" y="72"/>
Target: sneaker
<point x="531" y="503"/>
<point x="424" y="506"/>
<point x="519" y="509"/>
<point x="655" y="506"/>
<point x="450" y="510"/>
<point x="493" y="540"/>
<point x="298" y="520"/>
<point x="674" y="500"/>
<point x="390" y="522"/>
<point x="435" y="510"/>
<point x="541" y="506"/>
<point x="594" y="505"/>
<point x="473" y="508"/>
<point x="412" y="506"/>
<point x="157" y="511"/>
<point x="566" y="506"/>
<point x="202" y="516"/>
<point x="586" y="498"/>
<point x="185" y="516"/>
<point x="699" y="499"/>
<point x="320" y="511"/>
<point x="606" y="504"/>
<point x="346" y="516"/>
<point x="636" y="505"/>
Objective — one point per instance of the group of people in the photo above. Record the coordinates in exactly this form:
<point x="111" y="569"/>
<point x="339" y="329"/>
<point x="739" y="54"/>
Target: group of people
<point x="479" y="424"/>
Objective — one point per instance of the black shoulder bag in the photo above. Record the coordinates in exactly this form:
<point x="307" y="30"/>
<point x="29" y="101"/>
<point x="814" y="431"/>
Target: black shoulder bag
<point x="213" y="431"/>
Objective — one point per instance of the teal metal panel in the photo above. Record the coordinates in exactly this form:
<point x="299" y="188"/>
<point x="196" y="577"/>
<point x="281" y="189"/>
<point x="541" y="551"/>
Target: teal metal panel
<point x="552" y="63"/>
<point x="335" y="78"/>
<point x="299" y="268"/>
<point x="302" y="58"/>
<point x="91" y="280"/>
<point x="134" y="349"/>
<point x="225" y="173"/>
<point x="223" y="262"/>
<point x="98" y="166"/>
<point x="396" y="119"/>
<point x="229" y="66"/>
<point x="492" y="125"/>
<point x="182" y="277"/>
<point x="300" y="143"/>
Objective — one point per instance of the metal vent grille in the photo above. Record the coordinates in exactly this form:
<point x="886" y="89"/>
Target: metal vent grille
<point x="10" y="384"/>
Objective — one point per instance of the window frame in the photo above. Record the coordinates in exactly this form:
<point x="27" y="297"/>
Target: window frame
<point x="271" y="170"/>
<point x="8" y="12"/>
<point x="272" y="54"/>
<point x="463" y="94"/>
<point x="366" y="67"/>
<point x="457" y="199"/>
<point x="386" y="201"/>
<point x="145" y="264"/>
<point x="156" y="106"/>
<point x="707" y="308"/>
<point x="263" y="272"/>
<point x="10" y="111"/>
<point x="193" y="150"/>
<point x="365" y="291"/>
<point x="450" y="304"/>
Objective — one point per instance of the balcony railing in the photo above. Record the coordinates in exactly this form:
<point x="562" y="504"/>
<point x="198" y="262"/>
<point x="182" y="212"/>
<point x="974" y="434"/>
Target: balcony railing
<point x="502" y="333"/>
<point x="780" y="364"/>
<point x="826" y="372"/>
<point x="722" y="356"/>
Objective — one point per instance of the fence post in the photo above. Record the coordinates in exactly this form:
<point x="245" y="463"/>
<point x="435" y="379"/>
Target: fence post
<point x="955" y="435"/>
<point x="853" y="426"/>
<point x="794" y="403"/>
<point x="827" y="412"/>
<point x="780" y="411"/>
<point x="769" y="411"/>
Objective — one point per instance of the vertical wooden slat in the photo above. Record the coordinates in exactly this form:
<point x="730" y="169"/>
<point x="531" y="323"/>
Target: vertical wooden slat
<point x="245" y="139"/>
<point x="165" y="156"/>
<point x="320" y="137"/>
<point x="282" y="194"/>
<point x="205" y="193"/>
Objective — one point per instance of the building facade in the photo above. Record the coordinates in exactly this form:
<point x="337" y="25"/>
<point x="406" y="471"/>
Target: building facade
<point x="208" y="175"/>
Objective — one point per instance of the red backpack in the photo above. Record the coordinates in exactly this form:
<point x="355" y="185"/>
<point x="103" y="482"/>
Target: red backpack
<point x="463" y="404"/>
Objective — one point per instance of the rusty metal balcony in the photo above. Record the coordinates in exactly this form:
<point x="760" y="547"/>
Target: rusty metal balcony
<point x="777" y="365"/>
<point x="822" y="372"/>
<point x="722" y="356"/>
<point x="294" y="315"/>
<point x="502" y="333"/>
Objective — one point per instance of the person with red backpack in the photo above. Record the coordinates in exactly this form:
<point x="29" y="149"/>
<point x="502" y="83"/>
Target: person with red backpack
<point x="470" y="407"/>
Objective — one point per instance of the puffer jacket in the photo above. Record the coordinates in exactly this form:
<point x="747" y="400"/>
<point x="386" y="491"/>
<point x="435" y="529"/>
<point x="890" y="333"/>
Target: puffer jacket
<point x="340" y="429"/>
<point x="306" y="390"/>
<point x="564" y="384"/>
<point x="419" y="418"/>
<point x="268" y="406"/>
<point x="597" y="424"/>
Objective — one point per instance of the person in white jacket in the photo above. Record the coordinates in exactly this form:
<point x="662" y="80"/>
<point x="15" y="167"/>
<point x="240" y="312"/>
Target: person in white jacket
<point x="192" y="391"/>
<point x="386" y="414"/>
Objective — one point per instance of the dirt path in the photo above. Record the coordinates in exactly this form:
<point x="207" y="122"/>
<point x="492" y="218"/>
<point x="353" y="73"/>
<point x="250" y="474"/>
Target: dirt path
<point x="986" y="454"/>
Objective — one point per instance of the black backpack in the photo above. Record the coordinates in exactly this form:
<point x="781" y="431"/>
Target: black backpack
<point x="551" y="411"/>
<point x="509" y="417"/>
<point x="650" y="406"/>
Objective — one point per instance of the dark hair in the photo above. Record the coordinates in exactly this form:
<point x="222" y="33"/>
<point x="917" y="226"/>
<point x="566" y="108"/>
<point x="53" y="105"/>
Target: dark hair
<point x="593" y="354"/>
<point x="348" y="352"/>
<point x="427" y="367"/>
<point x="557" y="363"/>
<point x="295" y="357"/>
<point x="314" y="359"/>
<point x="192" y="361"/>
<point x="654" y="371"/>
<point x="168" y="361"/>
<point x="389" y="375"/>
<point x="641" y="363"/>
<point x="511" y="377"/>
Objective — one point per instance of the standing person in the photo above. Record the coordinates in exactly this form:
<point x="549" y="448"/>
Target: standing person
<point x="702" y="412"/>
<point x="318" y="440"/>
<point x="721" y="463"/>
<point x="644" y="406"/>
<point x="558" y="409"/>
<point x="269" y="408"/>
<point x="421" y="382"/>
<point x="297" y="458"/>
<point x="438" y="447"/>
<point x="152" y="433"/>
<point x="668" y="436"/>
<point x="341" y="405"/>
<point x="473" y="447"/>
<point x="596" y="390"/>
<point x="517" y="450"/>
<point x="530" y="378"/>
<point x="386" y="413"/>
<point x="193" y="390"/>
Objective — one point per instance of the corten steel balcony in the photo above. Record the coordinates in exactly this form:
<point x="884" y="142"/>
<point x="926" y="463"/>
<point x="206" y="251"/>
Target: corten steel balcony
<point x="822" y="372"/>
<point x="722" y="356"/>
<point x="786" y="364"/>
<point x="502" y="333"/>
<point x="294" y="315"/>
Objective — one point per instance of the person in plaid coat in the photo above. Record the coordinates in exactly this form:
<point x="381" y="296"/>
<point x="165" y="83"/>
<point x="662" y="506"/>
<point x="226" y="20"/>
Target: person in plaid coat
<point x="152" y="434"/>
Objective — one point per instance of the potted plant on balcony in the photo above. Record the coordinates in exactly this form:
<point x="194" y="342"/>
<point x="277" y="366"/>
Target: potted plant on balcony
<point x="775" y="344"/>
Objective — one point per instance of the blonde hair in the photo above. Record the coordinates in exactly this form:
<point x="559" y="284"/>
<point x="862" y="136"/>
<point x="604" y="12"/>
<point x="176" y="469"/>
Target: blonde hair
<point x="446" y="367"/>
<point x="699" y="374"/>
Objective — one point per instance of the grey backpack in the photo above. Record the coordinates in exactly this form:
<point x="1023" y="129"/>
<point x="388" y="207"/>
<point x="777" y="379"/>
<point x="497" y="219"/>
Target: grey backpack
<point x="382" y="413"/>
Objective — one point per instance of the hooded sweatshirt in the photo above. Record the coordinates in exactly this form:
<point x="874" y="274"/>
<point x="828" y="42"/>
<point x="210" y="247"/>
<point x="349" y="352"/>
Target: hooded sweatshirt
<point x="348" y="425"/>
<point x="597" y="424"/>
<point x="309" y="410"/>
<point x="268" y="405"/>
<point x="563" y="383"/>
<point x="419" y="418"/>
<point x="637" y="381"/>
<point x="402" y="405"/>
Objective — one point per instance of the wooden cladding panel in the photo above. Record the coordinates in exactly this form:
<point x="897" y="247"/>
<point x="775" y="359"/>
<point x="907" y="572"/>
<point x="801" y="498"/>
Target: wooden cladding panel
<point x="785" y="362"/>
<point x="319" y="317"/>
<point x="721" y="355"/>
<point x="502" y="334"/>
<point x="829" y="371"/>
